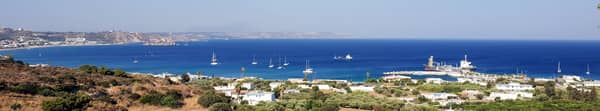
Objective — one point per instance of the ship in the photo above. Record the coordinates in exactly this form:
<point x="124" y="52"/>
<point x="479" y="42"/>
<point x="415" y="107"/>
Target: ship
<point x="213" y="60"/>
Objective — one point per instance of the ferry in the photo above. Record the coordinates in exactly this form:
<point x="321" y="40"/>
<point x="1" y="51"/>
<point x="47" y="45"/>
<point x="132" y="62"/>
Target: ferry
<point x="213" y="60"/>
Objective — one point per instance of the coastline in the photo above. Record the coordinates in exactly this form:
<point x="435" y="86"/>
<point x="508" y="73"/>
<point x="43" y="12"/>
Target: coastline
<point x="48" y="46"/>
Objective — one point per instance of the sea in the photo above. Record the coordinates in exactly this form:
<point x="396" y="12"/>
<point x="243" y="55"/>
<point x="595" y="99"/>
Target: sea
<point x="536" y="58"/>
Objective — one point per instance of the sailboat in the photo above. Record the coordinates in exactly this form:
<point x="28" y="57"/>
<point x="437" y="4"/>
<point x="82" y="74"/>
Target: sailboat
<point x="135" y="61"/>
<point x="588" y="70"/>
<point x="271" y="63"/>
<point x="213" y="60"/>
<point x="254" y="60"/>
<point x="559" y="71"/>
<point x="280" y="66"/>
<point x="285" y="62"/>
<point x="307" y="70"/>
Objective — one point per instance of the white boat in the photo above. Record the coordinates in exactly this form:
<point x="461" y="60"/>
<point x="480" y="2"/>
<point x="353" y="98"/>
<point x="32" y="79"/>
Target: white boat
<point x="271" y="63"/>
<point x="285" y="62"/>
<point x="135" y="61"/>
<point x="348" y="57"/>
<point x="213" y="60"/>
<point x="466" y="65"/>
<point x="308" y="69"/>
<point x="588" y="70"/>
<point x="254" y="60"/>
<point x="280" y="66"/>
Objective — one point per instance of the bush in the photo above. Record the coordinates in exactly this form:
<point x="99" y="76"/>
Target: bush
<point x="210" y="99"/>
<point x="120" y="73"/>
<point x="161" y="100"/>
<point x="329" y="107"/>
<point x="67" y="102"/>
<point x="26" y="88"/>
<point x="15" y="106"/>
<point x="220" y="107"/>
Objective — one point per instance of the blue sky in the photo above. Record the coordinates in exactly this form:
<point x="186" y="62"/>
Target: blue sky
<point x="443" y="19"/>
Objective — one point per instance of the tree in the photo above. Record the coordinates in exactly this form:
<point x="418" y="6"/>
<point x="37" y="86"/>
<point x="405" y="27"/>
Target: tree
<point x="210" y="99"/>
<point x="185" y="78"/>
<point x="220" y="107"/>
<point x="549" y="89"/>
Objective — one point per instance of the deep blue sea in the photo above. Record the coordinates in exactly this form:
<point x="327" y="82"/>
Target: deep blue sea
<point x="536" y="58"/>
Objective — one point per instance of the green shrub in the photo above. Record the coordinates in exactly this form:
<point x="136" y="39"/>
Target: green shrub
<point x="67" y="102"/>
<point x="26" y="88"/>
<point x="15" y="106"/>
<point x="161" y="100"/>
<point x="220" y="107"/>
<point x="210" y="99"/>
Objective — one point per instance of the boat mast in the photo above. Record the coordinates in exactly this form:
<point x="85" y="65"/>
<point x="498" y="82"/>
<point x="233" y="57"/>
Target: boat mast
<point x="588" y="69"/>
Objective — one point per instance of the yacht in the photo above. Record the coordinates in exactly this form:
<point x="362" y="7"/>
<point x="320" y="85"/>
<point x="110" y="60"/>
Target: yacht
<point x="135" y="61"/>
<point x="348" y="57"/>
<point x="213" y="60"/>
<point x="280" y="66"/>
<point x="307" y="70"/>
<point x="271" y="63"/>
<point x="588" y="70"/>
<point x="285" y="62"/>
<point x="254" y="60"/>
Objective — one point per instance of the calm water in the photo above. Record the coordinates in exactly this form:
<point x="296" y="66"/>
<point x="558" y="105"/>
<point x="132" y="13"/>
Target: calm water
<point x="537" y="58"/>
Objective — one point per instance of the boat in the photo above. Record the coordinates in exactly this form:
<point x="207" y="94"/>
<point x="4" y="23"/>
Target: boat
<point x="135" y="61"/>
<point x="280" y="65"/>
<point x="348" y="57"/>
<point x="308" y="69"/>
<point x="254" y="60"/>
<point x="558" y="70"/>
<point x="466" y="64"/>
<point x="213" y="60"/>
<point x="285" y="62"/>
<point x="271" y="63"/>
<point x="588" y="70"/>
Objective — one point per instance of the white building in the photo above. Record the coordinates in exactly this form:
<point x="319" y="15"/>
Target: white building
<point x="291" y="91"/>
<point x="571" y="78"/>
<point x="438" y="96"/>
<point x="303" y="86"/>
<point x="479" y="81"/>
<point x="324" y="87"/>
<point x="509" y="95"/>
<point x="274" y="85"/>
<point x="542" y="79"/>
<point x="514" y="87"/>
<point x="591" y="83"/>
<point x="395" y="77"/>
<point x="254" y="97"/>
<point x="247" y="85"/>
<point x="296" y="80"/>
<point x="434" y="80"/>
<point x="450" y="101"/>
<point x="225" y="89"/>
<point x="362" y="88"/>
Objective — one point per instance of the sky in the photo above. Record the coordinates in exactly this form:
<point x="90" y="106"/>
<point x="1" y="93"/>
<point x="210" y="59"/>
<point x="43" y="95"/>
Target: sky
<point x="434" y="19"/>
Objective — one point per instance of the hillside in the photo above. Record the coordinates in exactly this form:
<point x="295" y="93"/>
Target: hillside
<point x="88" y="88"/>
